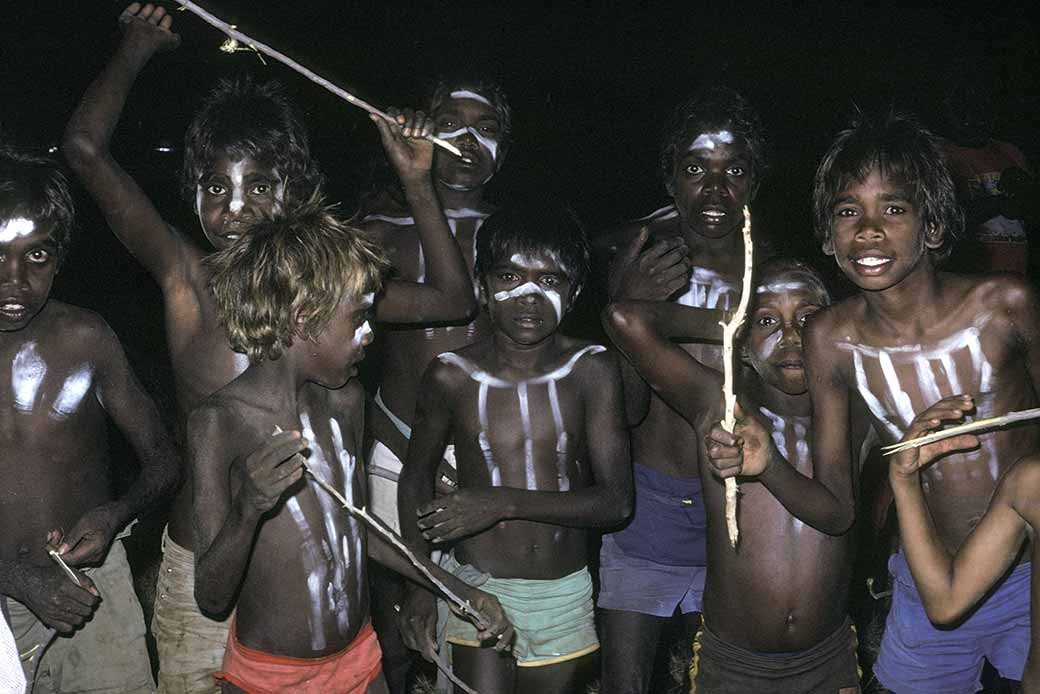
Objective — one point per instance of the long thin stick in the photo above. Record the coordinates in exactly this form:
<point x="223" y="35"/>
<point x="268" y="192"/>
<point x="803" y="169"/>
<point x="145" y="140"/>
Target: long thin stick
<point x="729" y="333"/>
<point x="64" y="567"/>
<point x="237" y="35"/>
<point x="979" y="425"/>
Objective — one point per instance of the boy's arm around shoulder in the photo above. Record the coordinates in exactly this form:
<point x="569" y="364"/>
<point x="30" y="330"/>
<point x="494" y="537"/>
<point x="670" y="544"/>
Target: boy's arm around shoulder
<point x="225" y="524"/>
<point x="827" y="500"/>
<point x="605" y="503"/>
<point x="86" y="147"/>
<point x="135" y="414"/>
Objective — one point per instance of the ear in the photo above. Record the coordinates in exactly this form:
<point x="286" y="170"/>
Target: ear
<point x="934" y="235"/>
<point x="828" y="245"/>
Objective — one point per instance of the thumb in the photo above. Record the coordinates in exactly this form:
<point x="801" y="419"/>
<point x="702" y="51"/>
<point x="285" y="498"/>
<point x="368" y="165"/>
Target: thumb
<point x="738" y="411"/>
<point x="636" y="246"/>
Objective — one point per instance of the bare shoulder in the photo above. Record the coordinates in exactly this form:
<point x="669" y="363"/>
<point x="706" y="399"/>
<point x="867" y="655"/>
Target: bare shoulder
<point x="1003" y="292"/>
<point x="836" y="323"/>
<point x="593" y="363"/>
<point x="80" y="330"/>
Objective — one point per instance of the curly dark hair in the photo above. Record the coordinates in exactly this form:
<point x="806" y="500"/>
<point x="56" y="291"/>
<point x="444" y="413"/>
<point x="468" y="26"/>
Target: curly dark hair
<point x="241" y="117"/>
<point x="712" y="109"/>
<point x="900" y="147"/>
<point x="33" y="186"/>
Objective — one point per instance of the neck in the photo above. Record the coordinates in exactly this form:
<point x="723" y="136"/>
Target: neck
<point x="523" y="358"/>
<point x="452" y="199"/>
<point x="775" y="400"/>
<point x="730" y="244"/>
<point x="908" y="302"/>
<point x="280" y="382"/>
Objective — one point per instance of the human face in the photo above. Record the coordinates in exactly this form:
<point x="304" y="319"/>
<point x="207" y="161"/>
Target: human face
<point x="341" y="346"/>
<point x="529" y="295"/>
<point x="232" y="193"/>
<point x="468" y="121"/>
<point x="711" y="183"/>
<point x="878" y="236"/>
<point x="28" y="263"/>
<point x="774" y="339"/>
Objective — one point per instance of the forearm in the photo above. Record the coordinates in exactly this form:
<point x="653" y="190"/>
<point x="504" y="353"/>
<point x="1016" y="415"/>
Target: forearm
<point x="669" y="320"/>
<point x="449" y="289"/>
<point x="414" y="489"/>
<point x="221" y="565"/>
<point x="160" y="478"/>
<point x="808" y="499"/>
<point x="598" y="506"/>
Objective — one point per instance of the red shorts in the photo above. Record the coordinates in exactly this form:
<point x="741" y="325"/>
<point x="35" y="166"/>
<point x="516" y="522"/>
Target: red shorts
<point x="348" y="672"/>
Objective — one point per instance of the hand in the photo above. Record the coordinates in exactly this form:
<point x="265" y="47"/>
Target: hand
<point x="271" y="469"/>
<point x="54" y="598"/>
<point x="498" y="628"/>
<point x="905" y="466"/>
<point x="88" y="541"/>
<point x="747" y="452"/>
<point x="464" y="513"/>
<point x="417" y="620"/>
<point x="148" y="28"/>
<point x="653" y="274"/>
<point x="405" y="143"/>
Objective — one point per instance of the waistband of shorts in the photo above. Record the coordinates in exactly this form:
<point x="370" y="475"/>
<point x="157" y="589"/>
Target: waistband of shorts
<point x="247" y="653"/>
<point x="665" y="487"/>
<point x="719" y="648"/>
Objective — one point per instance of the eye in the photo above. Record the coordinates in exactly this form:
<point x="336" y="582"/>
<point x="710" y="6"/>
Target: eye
<point x="446" y="124"/>
<point x="38" y="256"/>
<point x="260" y="189"/>
<point x="215" y="189"/>
<point x="507" y="277"/>
<point x="736" y="171"/>
<point x="550" y="280"/>
<point x="694" y="169"/>
<point x="846" y="212"/>
<point x="805" y="316"/>
<point x="895" y="209"/>
<point x="765" y="321"/>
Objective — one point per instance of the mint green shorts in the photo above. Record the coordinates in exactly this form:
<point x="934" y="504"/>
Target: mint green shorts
<point x="554" y="619"/>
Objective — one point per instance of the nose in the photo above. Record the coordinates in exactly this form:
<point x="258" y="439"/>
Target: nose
<point x="12" y="270"/>
<point x="870" y="227"/>
<point x="791" y="335"/>
<point x="715" y="182"/>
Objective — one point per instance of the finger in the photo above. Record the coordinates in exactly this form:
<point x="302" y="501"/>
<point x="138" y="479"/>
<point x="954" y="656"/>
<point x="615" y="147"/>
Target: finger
<point x="719" y="436"/>
<point x="505" y="639"/>
<point x="157" y="15"/>
<point x="86" y="551"/>
<point x="386" y="135"/>
<point x="426" y="125"/>
<point x="431" y="507"/>
<point x="659" y="249"/>
<point x="62" y="627"/>
<point x="166" y="22"/>
<point x="674" y="257"/>
<point x="633" y="249"/>
<point x="128" y="14"/>
<point x="146" y="11"/>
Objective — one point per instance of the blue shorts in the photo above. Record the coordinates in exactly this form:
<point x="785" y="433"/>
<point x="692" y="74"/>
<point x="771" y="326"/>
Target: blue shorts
<point x="656" y="563"/>
<point x="917" y="658"/>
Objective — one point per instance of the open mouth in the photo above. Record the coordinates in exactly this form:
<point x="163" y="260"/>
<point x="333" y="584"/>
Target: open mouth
<point x="13" y="310"/>
<point x="871" y="264"/>
<point x="713" y="215"/>
<point x="792" y="364"/>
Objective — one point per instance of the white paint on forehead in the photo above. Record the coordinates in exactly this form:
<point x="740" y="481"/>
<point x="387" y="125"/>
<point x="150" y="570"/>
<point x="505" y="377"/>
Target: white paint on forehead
<point x="16" y="227"/>
<point x="782" y="287"/>
<point x="467" y="94"/>
<point x="72" y="392"/>
<point x="709" y="141"/>
<point x="27" y="372"/>
<point x="486" y="142"/>
<point x="528" y="288"/>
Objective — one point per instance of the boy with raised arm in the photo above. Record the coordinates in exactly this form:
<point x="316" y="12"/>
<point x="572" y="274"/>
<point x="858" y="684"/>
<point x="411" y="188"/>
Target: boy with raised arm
<point x="64" y="375"/>
<point x="294" y="294"/>
<point x="542" y="456"/>
<point x="712" y="161"/>
<point x="885" y="209"/>
<point x="246" y="154"/>
<point x="776" y="611"/>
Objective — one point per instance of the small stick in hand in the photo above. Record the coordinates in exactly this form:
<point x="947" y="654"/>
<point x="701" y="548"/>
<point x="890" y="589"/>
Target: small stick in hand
<point x="64" y="567"/>
<point x="969" y="427"/>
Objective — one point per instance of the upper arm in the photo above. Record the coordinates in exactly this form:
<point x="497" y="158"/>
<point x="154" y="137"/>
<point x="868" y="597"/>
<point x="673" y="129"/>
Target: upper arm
<point x="1022" y="304"/>
<point x="682" y="381"/>
<point x="832" y="440"/>
<point x="432" y="422"/>
<point x="605" y="433"/>
<point x="209" y="456"/>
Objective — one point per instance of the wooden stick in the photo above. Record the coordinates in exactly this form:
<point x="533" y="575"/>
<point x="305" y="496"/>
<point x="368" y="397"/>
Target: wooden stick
<point x="64" y="567"/>
<point x="991" y="423"/>
<point x="729" y="334"/>
<point x="237" y="35"/>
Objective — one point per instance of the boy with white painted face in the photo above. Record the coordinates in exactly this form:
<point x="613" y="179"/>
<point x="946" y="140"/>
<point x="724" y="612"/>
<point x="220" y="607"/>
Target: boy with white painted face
<point x="885" y="209"/>
<point x="295" y="295"/>
<point x="776" y="611"/>
<point x="542" y="455"/>
<point x="64" y="375"/>
<point x="691" y="253"/>
<point x="246" y="155"/>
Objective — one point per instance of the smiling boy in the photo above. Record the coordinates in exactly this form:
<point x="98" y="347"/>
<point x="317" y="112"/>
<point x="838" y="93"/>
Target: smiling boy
<point x="65" y="375"/>
<point x="885" y="209"/>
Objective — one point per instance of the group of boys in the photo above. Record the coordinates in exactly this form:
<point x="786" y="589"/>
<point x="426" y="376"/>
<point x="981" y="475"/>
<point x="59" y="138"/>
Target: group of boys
<point x="497" y="447"/>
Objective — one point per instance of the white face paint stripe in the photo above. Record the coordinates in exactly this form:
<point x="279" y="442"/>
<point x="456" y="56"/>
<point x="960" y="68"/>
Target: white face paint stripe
<point x="27" y="372"/>
<point x="360" y="333"/>
<point x="237" y="187"/>
<point x="666" y="212"/>
<point x="561" y="438"/>
<point x="16" y="227"/>
<point x="467" y="94"/>
<point x="72" y="392"/>
<point x="782" y="287"/>
<point x="486" y="142"/>
<point x="709" y="141"/>
<point x="528" y="288"/>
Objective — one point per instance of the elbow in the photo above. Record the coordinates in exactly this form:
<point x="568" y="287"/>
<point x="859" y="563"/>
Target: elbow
<point x="622" y="507"/>
<point x="943" y="613"/>
<point x="80" y="149"/>
<point x="211" y="604"/>
<point x="618" y="319"/>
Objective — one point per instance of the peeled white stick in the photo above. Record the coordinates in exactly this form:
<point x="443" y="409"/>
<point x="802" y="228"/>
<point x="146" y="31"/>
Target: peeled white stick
<point x="979" y="425"/>
<point x="64" y="567"/>
<point x="729" y="333"/>
<point x="237" y="35"/>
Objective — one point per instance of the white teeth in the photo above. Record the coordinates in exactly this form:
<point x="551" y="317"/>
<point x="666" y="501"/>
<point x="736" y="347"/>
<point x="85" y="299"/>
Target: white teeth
<point x="871" y="261"/>
<point x="13" y="307"/>
<point x="714" y="213"/>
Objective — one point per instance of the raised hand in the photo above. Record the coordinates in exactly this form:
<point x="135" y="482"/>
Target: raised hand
<point x="272" y="469"/>
<point x="405" y="143"/>
<point x="147" y="27"/>
<point x="650" y="274"/>
<point x="907" y="464"/>
<point x="461" y="514"/>
<point x="746" y="452"/>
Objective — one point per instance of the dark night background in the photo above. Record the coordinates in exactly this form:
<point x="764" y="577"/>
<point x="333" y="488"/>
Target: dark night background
<point x="590" y="85"/>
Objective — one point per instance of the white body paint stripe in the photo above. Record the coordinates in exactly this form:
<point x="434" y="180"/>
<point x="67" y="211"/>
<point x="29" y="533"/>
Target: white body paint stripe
<point x="27" y="372"/>
<point x="72" y="392"/>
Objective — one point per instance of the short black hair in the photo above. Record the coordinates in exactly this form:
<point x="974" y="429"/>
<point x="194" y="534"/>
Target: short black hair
<point x="900" y="147"/>
<point x="241" y="117"/>
<point x="528" y="227"/>
<point x="712" y="109"/>
<point x="34" y="186"/>
<point x="488" y="87"/>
